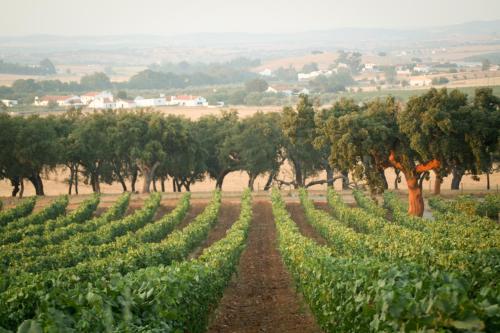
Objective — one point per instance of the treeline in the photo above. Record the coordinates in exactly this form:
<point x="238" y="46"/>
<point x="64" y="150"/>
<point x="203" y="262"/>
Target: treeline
<point x="441" y="132"/>
<point x="45" y="67"/>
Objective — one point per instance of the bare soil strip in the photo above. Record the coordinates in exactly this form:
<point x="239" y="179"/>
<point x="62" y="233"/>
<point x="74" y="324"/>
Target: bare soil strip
<point x="194" y="210"/>
<point x="228" y="214"/>
<point x="262" y="297"/>
<point x="298" y="216"/>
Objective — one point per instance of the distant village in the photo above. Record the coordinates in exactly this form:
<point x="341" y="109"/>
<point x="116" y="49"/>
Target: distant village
<point x="372" y="75"/>
<point x="106" y="100"/>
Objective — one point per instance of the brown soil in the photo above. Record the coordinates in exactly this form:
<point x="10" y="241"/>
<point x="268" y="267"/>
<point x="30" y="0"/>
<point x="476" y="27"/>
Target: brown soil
<point x="228" y="214"/>
<point x="297" y="213"/>
<point x="262" y="297"/>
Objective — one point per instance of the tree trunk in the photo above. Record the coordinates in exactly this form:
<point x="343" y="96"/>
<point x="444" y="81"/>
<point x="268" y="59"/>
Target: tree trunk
<point x="187" y="185"/>
<point x="148" y="173"/>
<point x="178" y="184"/>
<point x="488" y="180"/>
<point x="415" y="198"/>
<point x="384" y="180"/>
<point x="154" y="184"/>
<point x="133" y="180"/>
<point x="70" y="182"/>
<point x="76" y="179"/>
<point x="15" y="184"/>
<point x="162" y="184"/>
<point x="251" y="182"/>
<point x="269" y="181"/>
<point x="94" y="180"/>
<point x="437" y="184"/>
<point x="220" y="179"/>
<point x="456" y="179"/>
<point x="36" y="180"/>
<point x="21" y="192"/>
<point x="174" y="187"/>
<point x="121" y="179"/>
<point x="397" y="179"/>
<point x="345" y="179"/>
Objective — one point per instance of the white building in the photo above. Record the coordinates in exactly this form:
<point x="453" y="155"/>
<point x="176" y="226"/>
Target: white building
<point x="60" y="100"/>
<point x="9" y="102"/>
<point x="125" y="104"/>
<point x="90" y="96"/>
<point x="369" y="67"/>
<point x="420" y="82"/>
<point x="271" y="90"/>
<point x="142" y="102"/>
<point x="420" y="68"/>
<point x="266" y="72"/>
<point x="188" y="100"/>
<point x="102" y="103"/>
<point x="312" y="75"/>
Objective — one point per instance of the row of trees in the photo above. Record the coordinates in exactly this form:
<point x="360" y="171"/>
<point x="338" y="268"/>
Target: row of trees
<point x="45" y="67"/>
<point x="440" y="131"/>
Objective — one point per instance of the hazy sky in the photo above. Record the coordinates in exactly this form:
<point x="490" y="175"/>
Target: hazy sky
<point x="161" y="17"/>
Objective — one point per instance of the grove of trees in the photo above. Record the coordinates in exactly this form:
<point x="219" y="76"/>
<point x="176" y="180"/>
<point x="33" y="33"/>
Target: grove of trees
<point x="440" y="131"/>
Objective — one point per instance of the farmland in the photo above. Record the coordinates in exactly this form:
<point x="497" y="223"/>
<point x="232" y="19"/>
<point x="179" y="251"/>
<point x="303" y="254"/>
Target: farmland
<point x="197" y="242"/>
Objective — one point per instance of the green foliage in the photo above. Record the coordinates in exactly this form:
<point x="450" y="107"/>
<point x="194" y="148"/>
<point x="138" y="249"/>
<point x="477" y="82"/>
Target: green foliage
<point x="81" y="214"/>
<point x="349" y="289"/>
<point x="24" y="208"/>
<point x="97" y="81"/>
<point x="256" y="85"/>
<point x="58" y="207"/>
<point x="38" y="245"/>
<point x="178" y="297"/>
<point x="46" y="67"/>
<point x="300" y="132"/>
<point x="368" y="204"/>
<point x="488" y="207"/>
<point x="310" y="67"/>
<point x="51" y="289"/>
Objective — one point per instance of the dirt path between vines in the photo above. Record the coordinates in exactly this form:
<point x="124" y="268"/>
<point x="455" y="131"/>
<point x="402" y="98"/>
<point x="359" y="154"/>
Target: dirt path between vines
<point x="298" y="216"/>
<point x="261" y="298"/>
<point x="228" y="214"/>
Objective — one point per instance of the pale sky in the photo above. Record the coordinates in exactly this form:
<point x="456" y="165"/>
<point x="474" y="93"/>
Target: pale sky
<point x="165" y="17"/>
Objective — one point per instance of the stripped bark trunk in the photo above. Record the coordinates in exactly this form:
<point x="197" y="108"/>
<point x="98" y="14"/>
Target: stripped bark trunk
<point x="415" y="198"/>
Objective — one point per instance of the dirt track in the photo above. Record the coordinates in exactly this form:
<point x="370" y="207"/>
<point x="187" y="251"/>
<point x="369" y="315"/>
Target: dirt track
<point x="261" y="298"/>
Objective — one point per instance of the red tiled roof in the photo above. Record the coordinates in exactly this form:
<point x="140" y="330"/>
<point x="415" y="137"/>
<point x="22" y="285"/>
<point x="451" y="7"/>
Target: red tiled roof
<point x="92" y="94"/>
<point x="55" y="98"/>
<point x="186" y="97"/>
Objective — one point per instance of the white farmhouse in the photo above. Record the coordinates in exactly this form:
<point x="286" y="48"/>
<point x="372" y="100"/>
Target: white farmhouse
<point x="312" y="75"/>
<point x="420" y="68"/>
<point x="369" y="67"/>
<point x="9" y="102"/>
<point x="188" y="100"/>
<point x="125" y="104"/>
<point x="60" y="100"/>
<point x="266" y="72"/>
<point x="142" y="102"/>
<point x="102" y="103"/>
<point x="90" y="96"/>
<point x="420" y="82"/>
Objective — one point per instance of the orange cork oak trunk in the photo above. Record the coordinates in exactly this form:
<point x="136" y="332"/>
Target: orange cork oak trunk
<point x="412" y="176"/>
